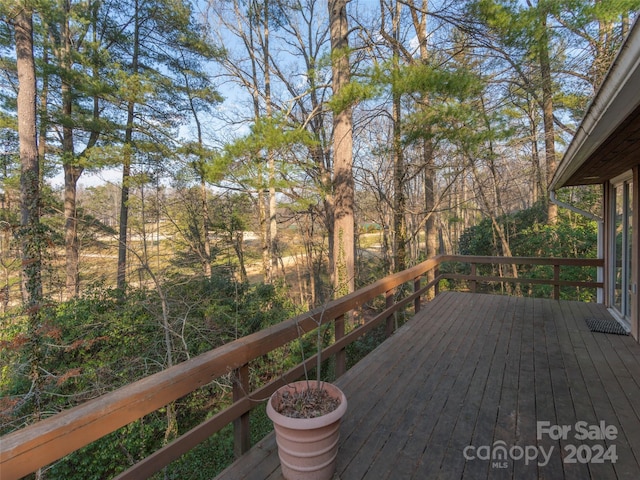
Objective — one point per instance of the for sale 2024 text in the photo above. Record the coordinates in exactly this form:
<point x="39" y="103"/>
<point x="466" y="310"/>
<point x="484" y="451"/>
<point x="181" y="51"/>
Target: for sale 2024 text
<point x="594" y="453"/>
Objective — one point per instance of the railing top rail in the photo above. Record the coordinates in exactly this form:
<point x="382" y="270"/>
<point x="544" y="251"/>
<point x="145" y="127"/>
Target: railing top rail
<point x="586" y="262"/>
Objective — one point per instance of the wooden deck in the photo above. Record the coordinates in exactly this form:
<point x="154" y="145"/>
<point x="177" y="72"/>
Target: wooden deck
<point x="472" y="373"/>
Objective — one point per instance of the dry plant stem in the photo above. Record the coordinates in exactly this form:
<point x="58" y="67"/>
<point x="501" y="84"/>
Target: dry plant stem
<point x="319" y="353"/>
<point x="310" y="402"/>
<point x="307" y="403"/>
<point x="319" y="357"/>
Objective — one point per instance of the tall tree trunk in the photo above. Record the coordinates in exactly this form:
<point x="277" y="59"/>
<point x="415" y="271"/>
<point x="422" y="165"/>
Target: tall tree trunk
<point x="123" y="221"/>
<point x="431" y="238"/>
<point x="498" y="228"/>
<point x="238" y="242"/>
<point x="199" y="166"/>
<point x="497" y="197"/>
<point x="72" y="249"/>
<point x="321" y="155"/>
<point x="343" y="185"/>
<point x="272" y="205"/>
<point x="261" y="205"/>
<point x="547" y="111"/>
<point x="31" y="237"/>
<point x="206" y="262"/>
<point x="123" y="224"/>
<point x="44" y="115"/>
<point x="72" y="171"/>
<point x="264" y="231"/>
<point x="538" y="176"/>
<point x="430" y="232"/>
<point x="399" y="200"/>
<point x="419" y="17"/>
<point x="321" y="159"/>
<point x="30" y="171"/>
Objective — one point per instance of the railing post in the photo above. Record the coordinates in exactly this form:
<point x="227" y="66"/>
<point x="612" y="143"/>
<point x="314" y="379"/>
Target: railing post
<point x="241" y="427"/>
<point x="556" y="281"/>
<point x="389" y="303"/>
<point x="436" y="285"/>
<point x="472" y="283"/>
<point x="341" y="356"/>
<point x="416" y="302"/>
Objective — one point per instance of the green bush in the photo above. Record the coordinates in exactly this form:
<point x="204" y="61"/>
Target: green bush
<point x="108" y="338"/>
<point x="528" y="234"/>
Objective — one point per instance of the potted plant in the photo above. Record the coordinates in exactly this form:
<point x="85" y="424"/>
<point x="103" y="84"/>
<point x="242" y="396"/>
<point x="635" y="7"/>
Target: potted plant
<point x="306" y="416"/>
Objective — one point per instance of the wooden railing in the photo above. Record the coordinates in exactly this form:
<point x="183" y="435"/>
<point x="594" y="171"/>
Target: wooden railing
<point x="473" y="277"/>
<point x="42" y="443"/>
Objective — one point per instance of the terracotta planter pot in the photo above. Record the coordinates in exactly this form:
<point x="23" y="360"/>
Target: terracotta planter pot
<point x="307" y="447"/>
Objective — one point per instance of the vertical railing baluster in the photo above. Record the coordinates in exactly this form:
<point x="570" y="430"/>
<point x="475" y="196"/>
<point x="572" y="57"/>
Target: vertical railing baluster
<point x="556" y="281"/>
<point x="241" y="426"/>
<point x="389" y="303"/>
<point x="472" y="283"/>
<point x="416" y="302"/>
<point x="436" y="286"/>
<point x="341" y="355"/>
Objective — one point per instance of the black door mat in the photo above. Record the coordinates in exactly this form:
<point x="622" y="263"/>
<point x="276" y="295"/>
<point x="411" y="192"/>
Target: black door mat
<point x="605" y="326"/>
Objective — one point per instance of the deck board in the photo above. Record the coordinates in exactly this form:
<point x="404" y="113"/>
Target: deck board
<point x="473" y="370"/>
